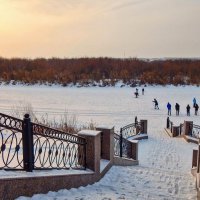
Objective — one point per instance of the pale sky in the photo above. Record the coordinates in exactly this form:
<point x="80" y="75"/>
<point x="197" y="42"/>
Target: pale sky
<point x="91" y="28"/>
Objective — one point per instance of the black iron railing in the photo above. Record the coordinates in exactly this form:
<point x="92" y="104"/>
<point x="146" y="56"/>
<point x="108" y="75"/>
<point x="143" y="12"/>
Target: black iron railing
<point x="117" y="145"/>
<point x="27" y="146"/>
<point x="122" y="146"/>
<point x="130" y="130"/>
<point x="181" y="129"/>
<point x="169" y="124"/>
<point x="195" y="131"/>
<point x="11" y="152"/>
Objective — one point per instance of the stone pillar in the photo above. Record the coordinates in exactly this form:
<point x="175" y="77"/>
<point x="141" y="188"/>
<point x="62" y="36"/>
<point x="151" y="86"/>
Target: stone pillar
<point x="194" y="157"/>
<point x="187" y="127"/>
<point x="107" y="142"/>
<point x="93" y="149"/>
<point x="134" y="149"/>
<point x="143" y="125"/>
<point x="175" y="131"/>
<point x="198" y="159"/>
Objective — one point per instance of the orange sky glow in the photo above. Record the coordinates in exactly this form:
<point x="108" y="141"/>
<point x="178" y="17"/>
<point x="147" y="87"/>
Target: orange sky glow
<point x="91" y="28"/>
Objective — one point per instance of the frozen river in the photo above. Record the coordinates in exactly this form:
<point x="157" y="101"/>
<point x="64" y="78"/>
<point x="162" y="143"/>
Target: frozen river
<point x="104" y="106"/>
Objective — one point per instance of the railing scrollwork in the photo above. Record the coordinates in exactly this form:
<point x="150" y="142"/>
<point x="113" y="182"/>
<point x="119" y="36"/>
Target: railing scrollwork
<point x="26" y="146"/>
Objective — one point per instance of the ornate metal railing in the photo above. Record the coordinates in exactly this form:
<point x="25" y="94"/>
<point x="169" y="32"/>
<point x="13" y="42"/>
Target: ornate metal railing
<point x="11" y="156"/>
<point x="130" y="130"/>
<point x="181" y="129"/>
<point x="56" y="149"/>
<point x="122" y="146"/>
<point x="117" y="144"/>
<point x="27" y="146"/>
<point x="195" y="131"/>
<point x="126" y="148"/>
<point x="169" y="124"/>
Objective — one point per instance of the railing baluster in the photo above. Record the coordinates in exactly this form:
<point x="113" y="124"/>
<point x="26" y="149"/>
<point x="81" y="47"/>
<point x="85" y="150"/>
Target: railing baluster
<point x="27" y="137"/>
<point x="121" y="143"/>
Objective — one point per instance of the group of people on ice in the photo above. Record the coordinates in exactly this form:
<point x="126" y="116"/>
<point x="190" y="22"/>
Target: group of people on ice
<point x="177" y="108"/>
<point x="137" y="93"/>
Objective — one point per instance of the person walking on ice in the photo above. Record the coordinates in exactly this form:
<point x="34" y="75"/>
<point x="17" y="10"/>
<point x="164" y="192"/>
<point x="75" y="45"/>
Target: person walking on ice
<point x="169" y="107"/>
<point x="136" y="93"/>
<point x="155" y="104"/>
<point x="142" y="91"/>
<point x="188" y="110"/>
<point x="196" y="108"/>
<point x="177" y="108"/>
<point x="194" y="102"/>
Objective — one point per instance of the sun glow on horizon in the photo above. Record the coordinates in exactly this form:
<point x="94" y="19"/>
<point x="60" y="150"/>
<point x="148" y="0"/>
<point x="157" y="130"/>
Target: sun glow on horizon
<point x="69" y="28"/>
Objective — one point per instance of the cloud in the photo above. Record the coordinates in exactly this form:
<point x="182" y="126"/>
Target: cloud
<point x="118" y="5"/>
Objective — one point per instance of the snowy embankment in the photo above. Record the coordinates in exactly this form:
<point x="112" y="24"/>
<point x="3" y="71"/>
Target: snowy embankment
<point x="163" y="173"/>
<point x="165" y="163"/>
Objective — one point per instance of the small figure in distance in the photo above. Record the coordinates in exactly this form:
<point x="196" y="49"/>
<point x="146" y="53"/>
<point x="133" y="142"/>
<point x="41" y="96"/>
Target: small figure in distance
<point x="169" y="107"/>
<point x="136" y="93"/>
<point x="155" y="104"/>
<point x="194" y="102"/>
<point x="196" y="108"/>
<point x="188" y="110"/>
<point x="177" y="108"/>
<point x="142" y="91"/>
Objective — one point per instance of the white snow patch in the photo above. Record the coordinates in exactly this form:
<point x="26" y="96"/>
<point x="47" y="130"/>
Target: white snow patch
<point x="103" y="164"/>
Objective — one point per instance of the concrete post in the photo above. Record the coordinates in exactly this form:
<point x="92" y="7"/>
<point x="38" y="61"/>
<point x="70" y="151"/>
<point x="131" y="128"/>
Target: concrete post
<point x="107" y="142"/>
<point x="93" y="149"/>
<point x="194" y="157"/>
<point x="134" y="149"/>
<point x="198" y="159"/>
<point x="143" y="125"/>
<point x="187" y="127"/>
<point x="175" y="131"/>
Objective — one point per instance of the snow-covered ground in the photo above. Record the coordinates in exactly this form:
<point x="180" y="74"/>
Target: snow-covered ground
<point x="165" y="163"/>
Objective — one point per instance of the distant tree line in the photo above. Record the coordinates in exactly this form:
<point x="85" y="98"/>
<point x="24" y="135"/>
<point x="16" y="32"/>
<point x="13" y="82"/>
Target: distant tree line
<point x="108" y="71"/>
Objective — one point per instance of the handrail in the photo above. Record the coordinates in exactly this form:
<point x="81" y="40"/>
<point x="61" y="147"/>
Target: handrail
<point x="42" y="130"/>
<point x="130" y="130"/>
<point x="10" y="122"/>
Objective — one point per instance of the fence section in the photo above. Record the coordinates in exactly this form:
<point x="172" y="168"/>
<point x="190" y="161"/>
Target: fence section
<point x="117" y="145"/>
<point x="169" y="124"/>
<point x="181" y="129"/>
<point x="11" y="152"/>
<point x="57" y="149"/>
<point x="27" y="146"/>
<point x="122" y="146"/>
<point x="195" y="131"/>
<point x="129" y="130"/>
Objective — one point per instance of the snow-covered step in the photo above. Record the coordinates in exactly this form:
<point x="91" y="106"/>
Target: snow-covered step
<point x="131" y="183"/>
